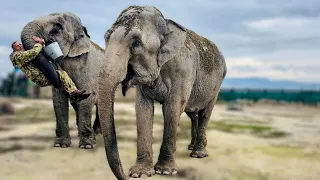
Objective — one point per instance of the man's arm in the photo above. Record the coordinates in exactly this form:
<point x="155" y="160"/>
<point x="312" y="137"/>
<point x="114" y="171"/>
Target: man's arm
<point x="29" y="55"/>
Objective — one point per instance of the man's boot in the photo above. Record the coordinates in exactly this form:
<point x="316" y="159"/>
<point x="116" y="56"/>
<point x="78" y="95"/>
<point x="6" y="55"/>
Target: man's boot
<point x="79" y="95"/>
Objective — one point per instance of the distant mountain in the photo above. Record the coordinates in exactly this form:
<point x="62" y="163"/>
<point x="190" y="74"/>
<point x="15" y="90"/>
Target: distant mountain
<point x="265" y="83"/>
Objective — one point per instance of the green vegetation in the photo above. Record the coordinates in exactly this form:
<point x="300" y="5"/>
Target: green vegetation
<point x="234" y="127"/>
<point x="259" y="130"/>
<point x="34" y="113"/>
<point x="255" y="127"/>
<point x="289" y="96"/>
<point x="289" y="152"/>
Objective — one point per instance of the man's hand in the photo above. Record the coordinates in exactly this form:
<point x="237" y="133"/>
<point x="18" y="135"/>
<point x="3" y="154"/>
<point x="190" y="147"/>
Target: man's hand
<point x="38" y="40"/>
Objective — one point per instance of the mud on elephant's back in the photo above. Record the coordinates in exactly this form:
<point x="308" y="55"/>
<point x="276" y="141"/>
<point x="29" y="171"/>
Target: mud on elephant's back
<point x="208" y="51"/>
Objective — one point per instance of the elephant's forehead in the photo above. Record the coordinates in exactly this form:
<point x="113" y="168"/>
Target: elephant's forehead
<point x="129" y="19"/>
<point x="123" y="26"/>
<point x="121" y="34"/>
<point x="45" y="18"/>
<point x="118" y="33"/>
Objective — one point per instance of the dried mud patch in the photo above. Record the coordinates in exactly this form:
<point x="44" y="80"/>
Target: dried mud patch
<point x="19" y="147"/>
<point x="188" y="173"/>
<point x="2" y="128"/>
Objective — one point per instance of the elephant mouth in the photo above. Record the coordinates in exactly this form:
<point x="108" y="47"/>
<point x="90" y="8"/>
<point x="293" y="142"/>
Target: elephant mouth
<point x="133" y="78"/>
<point x="128" y="82"/>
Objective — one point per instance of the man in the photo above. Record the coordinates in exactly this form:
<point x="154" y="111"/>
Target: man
<point x="40" y="71"/>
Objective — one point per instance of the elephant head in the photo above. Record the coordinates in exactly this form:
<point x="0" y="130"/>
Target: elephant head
<point x="65" y="28"/>
<point x="73" y="39"/>
<point x="138" y="45"/>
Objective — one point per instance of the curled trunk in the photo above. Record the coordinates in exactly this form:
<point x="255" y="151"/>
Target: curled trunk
<point x="41" y="61"/>
<point x="30" y="30"/>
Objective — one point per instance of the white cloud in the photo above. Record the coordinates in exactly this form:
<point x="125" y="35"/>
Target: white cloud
<point x="252" y="67"/>
<point x="236" y="69"/>
<point x="240" y="61"/>
<point x="288" y="27"/>
<point x="5" y="51"/>
<point x="5" y="63"/>
<point x="299" y="57"/>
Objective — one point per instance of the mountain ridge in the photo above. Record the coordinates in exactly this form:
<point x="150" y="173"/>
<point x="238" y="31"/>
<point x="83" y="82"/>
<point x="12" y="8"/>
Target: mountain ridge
<point x="265" y="83"/>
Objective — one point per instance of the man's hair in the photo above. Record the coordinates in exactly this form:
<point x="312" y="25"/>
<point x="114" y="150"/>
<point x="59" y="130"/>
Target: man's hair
<point x="13" y="44"/>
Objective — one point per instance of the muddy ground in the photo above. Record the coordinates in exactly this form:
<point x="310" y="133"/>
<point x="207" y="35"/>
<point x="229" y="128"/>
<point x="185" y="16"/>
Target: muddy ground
<point x="263" y="141"/>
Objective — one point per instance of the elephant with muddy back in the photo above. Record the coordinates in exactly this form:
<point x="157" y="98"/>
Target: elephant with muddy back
<point x="81" y="60"/>
<point x="169" y="64"/>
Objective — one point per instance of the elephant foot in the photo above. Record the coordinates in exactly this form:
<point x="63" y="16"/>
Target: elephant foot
<point x="87" y="142"/>
<point x="62" y="142"/>
<point x="166" y="168"/>
<point x="140" y="169"/>
<point x="201" y="153"/>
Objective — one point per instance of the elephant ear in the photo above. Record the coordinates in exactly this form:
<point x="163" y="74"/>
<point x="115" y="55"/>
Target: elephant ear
<point x="79" y="47"/>
<point x="85" y="31"/>
<point x="81" y="43"/>
<point x="174" y="36"/>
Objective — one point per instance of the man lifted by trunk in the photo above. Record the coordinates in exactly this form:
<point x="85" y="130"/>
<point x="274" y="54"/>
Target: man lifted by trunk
<point x="40" y="71"/>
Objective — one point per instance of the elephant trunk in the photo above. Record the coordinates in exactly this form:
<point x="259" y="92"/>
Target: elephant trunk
<point x="30" y="30"/>
<point x="34" y="29"/>
<point x="109" y="79"/>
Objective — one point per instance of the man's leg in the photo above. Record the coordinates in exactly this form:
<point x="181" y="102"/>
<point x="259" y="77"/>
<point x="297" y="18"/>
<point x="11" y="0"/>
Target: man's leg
<point x="58" y="78"/>
<point x="66" y="81"/>
<point x="70" y="87"/>
<point x="48" y="70"/>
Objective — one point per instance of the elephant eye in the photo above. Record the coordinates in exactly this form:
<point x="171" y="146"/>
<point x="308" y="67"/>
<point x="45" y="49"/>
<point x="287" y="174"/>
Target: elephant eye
<point x="59" y="26"/>
<point x="54" y="31"/>
<point x="135" y="44"/>
<point x="56" y="28"/>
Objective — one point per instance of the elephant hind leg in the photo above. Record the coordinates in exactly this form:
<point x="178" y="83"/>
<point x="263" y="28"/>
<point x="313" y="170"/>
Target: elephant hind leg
<point x="194" y="127"/>
<point x="96" y="125"/>
<point x="199" y="149"/>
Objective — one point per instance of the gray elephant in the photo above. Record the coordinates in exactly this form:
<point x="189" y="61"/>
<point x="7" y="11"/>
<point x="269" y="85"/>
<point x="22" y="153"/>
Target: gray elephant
<point x="81" y="60"/>
<point x="169" y="64"/>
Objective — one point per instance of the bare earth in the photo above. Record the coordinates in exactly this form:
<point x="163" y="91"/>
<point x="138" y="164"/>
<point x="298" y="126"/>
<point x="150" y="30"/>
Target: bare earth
<point x="264" y="141"/>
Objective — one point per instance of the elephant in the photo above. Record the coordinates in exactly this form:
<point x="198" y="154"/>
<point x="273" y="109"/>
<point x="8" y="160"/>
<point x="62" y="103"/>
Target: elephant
<point x="166" y="63"/>
<point x="81" y="60"/>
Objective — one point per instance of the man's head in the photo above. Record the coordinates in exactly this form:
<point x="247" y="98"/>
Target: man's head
<point x="17" y="46"/>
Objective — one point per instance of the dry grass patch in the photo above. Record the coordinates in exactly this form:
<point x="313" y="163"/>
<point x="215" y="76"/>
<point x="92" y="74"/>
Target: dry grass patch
<point x="32" y="114"/>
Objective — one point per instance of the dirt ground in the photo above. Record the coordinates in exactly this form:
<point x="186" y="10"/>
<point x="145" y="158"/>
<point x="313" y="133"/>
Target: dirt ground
<point x="260" y="142"/>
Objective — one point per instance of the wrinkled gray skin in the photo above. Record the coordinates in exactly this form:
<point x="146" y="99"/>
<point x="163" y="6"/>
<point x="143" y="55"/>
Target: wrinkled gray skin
<point x="168" y="64"/>
<point x="81" y="61"/>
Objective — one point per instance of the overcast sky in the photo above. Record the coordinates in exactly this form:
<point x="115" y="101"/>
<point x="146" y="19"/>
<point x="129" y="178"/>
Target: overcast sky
<point x="277" y="39"/>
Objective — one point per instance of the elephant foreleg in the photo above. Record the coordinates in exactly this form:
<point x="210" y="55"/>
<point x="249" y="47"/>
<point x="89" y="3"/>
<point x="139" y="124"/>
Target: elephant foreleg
<point x="61" y="109"/>
<point x="144" y="115"/>
<point x="85" y="132"/>
<point x="166" y="162"/>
